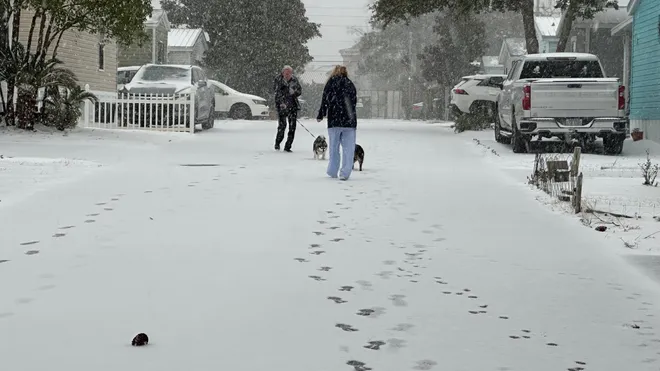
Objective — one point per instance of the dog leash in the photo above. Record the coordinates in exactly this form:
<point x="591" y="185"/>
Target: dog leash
<point x="303" y="126"/>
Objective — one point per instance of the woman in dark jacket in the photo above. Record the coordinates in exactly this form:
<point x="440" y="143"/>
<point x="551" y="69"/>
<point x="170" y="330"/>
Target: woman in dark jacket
<point x="338" y="104"/>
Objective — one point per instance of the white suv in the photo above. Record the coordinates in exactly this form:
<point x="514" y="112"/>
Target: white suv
<point x="476" y="95"/>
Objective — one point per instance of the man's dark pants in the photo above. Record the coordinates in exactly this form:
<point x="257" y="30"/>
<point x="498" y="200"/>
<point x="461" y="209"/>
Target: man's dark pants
<point x="281" y="127"/>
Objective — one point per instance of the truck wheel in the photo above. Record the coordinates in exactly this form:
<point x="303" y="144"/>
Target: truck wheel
<point x="499" y="138"/>
<point x="613" y="144"/>
<point x="519" y="142"/>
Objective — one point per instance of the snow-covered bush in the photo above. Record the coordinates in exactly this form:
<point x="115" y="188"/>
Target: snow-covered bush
<point x="649" y="171"/>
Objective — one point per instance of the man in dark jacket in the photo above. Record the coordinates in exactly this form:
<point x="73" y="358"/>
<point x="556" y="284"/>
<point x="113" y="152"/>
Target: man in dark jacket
<point x="339" y="105"/>
<point x="287" y="90"/>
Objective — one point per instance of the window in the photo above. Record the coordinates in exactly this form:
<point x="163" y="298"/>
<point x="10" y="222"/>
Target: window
<point x="160" y="73"/>
<point x="574" y="44"/>
<point x="160" y="58"/>
<point x="101" y="51"/>
<point x="513" y="68"/>
<point x="549" y="69"/>
<point x="492" y="82"/>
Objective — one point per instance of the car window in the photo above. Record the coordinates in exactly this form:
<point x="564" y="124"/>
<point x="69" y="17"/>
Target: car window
<point x="159" y="73"/>
<point x="513" y="68"/>
<point x="561" y="68"/>
<point x="493" y="82"/>
<point x="202" y="75"/>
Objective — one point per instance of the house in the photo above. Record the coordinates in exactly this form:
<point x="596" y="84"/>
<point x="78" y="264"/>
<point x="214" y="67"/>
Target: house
<point x="186" y="46"/>
<point x="154" y="50"/>
<point x="92" y="57"/>
<point x="490" y="65"/>
<point x="546" y="32"/>
<point x="512" y="49"/>
<point x="639" y="35"/>
<point x="595" y="36"/>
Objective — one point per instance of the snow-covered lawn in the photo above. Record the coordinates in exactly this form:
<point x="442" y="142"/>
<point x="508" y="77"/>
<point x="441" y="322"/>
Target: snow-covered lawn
<point x="430" y="259"/>
<point x="612" y="184"/>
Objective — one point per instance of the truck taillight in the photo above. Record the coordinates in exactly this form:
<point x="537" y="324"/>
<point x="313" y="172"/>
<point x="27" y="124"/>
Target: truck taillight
<point x="622" y="97"/>
<point x="460" y="91"/>
<point x="527" y="98"/>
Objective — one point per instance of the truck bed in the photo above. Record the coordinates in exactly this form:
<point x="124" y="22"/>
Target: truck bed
<point x="575" y="98"/>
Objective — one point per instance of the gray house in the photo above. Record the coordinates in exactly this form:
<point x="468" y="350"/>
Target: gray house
<point x="546" y="32"/>
<point x="512" y="49"/>
<point x="187" y="46"/>
<point x="154" y="50"/>
<point x="595" y="36"/>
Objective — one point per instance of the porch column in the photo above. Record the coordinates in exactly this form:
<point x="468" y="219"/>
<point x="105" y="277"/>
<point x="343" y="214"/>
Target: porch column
<point x="153" y="45"/>
<point x="626" y="62"/>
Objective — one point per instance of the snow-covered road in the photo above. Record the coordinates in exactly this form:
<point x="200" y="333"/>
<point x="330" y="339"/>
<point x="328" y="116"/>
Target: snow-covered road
<point x="429" y="259"/>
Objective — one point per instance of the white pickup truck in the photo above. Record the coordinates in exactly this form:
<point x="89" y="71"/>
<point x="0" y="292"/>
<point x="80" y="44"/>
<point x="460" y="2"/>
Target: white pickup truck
<point x="564" y="95"/>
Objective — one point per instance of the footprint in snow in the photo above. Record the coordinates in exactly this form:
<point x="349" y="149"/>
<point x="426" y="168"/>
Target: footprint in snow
<point x="337" y="239"/>
<point x="346" y="288"/>
<point x="396" y="343"/>
<point x="317" y="278"/>
<point x="57" y="235"/>
<point x="29" y="243"/>
<point x="398" y="301"/>
<point x="318" y="233"/>
<point x="317" y="252"/>
<point x="301" y="260"/>
<point x="345" y="327"/>
<point x="337" y="299"/>
<point x="358" y="366"/>
<point x="31" y="252"/>
<point x="403" y="327"/>
<point x="325" y="269"/>
<point x="425" y="365"/>
<point x="68" y="227"/>
<point x="374" y="345"/>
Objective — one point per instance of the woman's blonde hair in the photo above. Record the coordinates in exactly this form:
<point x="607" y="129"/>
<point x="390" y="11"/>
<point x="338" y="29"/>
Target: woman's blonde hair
<point x="339" y="71"/>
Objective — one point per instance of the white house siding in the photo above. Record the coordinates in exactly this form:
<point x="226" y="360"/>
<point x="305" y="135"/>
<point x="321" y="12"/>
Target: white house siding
<point x="179" y="57"/>
<point x="80" y="52"/>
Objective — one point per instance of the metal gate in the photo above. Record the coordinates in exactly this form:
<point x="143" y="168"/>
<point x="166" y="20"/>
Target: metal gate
<point x="380" y="104"/>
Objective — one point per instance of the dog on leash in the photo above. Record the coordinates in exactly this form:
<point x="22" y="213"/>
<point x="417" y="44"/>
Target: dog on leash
<point x="358" y="156"/>
<point x="320" y="148"/>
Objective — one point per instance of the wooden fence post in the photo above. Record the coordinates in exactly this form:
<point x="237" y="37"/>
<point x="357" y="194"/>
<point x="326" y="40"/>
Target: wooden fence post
<point x="577" y="196"/>
<point x="575" y="164"/>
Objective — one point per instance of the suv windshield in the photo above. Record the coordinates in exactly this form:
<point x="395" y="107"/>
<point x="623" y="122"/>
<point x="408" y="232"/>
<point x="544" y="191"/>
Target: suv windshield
<point x="159" y="73"/>
<point x="561" y="68"/>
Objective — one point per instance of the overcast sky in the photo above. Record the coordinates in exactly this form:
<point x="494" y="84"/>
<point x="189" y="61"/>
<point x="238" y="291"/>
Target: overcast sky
<point x="335" y="17"/>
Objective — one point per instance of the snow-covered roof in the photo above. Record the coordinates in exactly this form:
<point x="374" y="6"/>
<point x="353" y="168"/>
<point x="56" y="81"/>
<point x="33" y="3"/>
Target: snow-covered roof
<point x="547" y="26"/>
<point x="544" y="56"/>
<point x="490" y="60"/>
<point x="183" y="37"/>
<point x="157" y="16"/>
<point x="517" y="46"/>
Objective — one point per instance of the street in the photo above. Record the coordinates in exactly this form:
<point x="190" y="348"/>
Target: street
<point x="232" y="256"/>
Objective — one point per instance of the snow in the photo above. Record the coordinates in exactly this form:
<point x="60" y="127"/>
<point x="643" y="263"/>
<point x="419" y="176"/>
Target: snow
<point x="516" y="45"/>
<point x="547" y="26"/>
<point x="203" y="260"/>
<point x="612" y="184"/>
<point x="183" y="37"/>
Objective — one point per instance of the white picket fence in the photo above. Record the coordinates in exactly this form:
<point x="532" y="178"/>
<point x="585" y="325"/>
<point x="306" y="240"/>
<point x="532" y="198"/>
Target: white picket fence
<point x="159" y="112"/>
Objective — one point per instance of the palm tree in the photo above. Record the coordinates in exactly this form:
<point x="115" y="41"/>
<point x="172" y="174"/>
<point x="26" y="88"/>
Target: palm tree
<point x="63" y="106"/>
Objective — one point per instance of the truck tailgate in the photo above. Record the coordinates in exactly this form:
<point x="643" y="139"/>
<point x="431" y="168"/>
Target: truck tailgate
<point x="575" y="98"/>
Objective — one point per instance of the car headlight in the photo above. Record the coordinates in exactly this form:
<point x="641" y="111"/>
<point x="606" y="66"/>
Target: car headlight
<point x="259" y="102"/>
